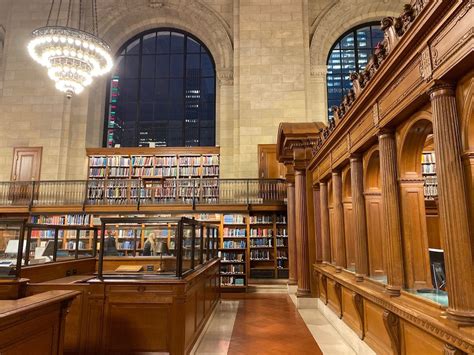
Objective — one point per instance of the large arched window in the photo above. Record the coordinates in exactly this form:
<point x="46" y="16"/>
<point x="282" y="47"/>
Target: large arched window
<point x="162" y="92"/>
<point x="350" y="53"/>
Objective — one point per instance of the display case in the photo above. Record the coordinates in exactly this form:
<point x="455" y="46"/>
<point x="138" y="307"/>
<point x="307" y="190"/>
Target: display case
<point x="11" y="250"/>
<point x="158" y="247"/>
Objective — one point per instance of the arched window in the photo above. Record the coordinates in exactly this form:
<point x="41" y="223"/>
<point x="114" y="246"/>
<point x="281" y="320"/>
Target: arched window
<point x="162" y="92"/>
<point x="350" y="53"/>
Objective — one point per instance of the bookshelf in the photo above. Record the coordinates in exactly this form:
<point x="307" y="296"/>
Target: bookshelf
<point x="233" y="252"/>
<point x="107" y="166"/>
<point x="428" y="170"/>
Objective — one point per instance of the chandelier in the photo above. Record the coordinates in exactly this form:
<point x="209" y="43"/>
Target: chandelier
<point x="73" y="55"/>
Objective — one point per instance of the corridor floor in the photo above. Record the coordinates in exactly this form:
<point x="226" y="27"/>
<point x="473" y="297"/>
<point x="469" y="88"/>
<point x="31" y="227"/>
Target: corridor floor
<point x="262" y="324"/>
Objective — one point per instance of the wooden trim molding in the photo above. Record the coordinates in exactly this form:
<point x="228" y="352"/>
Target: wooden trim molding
<point x="392" y="324"/>
<point x="429" y="317"/>
<point x="358" y="302"/>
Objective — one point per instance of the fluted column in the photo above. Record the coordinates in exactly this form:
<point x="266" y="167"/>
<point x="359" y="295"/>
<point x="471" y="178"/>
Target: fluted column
<point x="292" y="258"/>
<point x="341" y="261"/>
<point x="325" y="236"/>
<point x="360" y="221"/>
<point x="317" y="223"/>
<point x="391" y="213"/>
<point x="453" y="204"/>
<point x="301" y="235"/>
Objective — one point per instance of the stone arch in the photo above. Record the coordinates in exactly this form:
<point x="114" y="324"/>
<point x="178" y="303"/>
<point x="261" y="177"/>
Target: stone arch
<point x="344" y="15"/>
<point x="121" y="20"/>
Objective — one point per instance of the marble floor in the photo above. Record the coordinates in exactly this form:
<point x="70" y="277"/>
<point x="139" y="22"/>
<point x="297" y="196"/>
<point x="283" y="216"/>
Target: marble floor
<point x="269" y="324"/>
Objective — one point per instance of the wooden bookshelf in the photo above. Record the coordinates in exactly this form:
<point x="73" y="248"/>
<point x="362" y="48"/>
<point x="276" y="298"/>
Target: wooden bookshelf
<point x="107" y="166"/>
<point x="428" y="170"/>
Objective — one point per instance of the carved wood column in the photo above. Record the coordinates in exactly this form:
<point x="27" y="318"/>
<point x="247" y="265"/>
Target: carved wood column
<point x="301" y="234"/>
<point x="391" y="213"/>
<point x="341" y="261"/>
<point x="360" y="221"/>
<point x="453" y="205"/>
<point x="317" y="222"/>
<point x="292" y="258"/>
<point x="325" y="236"/>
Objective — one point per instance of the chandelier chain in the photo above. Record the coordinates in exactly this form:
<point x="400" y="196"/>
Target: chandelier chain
<point x="69" y="9"/>
<point x="50" y="13"/>
<point x="59" y="10"/>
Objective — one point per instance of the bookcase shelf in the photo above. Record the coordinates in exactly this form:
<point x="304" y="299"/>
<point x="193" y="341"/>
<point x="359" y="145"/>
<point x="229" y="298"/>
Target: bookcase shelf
<point x="108" y="166"/>
<point x="428" y="170"/>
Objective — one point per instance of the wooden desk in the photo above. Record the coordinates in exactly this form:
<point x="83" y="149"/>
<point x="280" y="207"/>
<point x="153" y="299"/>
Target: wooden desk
<point x="35" y="324"/>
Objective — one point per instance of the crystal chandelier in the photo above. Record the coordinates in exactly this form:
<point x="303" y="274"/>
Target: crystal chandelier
<point x="72" y="55"/>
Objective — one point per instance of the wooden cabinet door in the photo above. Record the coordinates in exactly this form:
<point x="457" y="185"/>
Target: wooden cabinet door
<point x="26" y="164"/>
<point x="268" y="165"/>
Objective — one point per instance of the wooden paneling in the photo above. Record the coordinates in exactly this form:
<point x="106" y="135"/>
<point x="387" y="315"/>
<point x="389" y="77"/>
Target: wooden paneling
<point x="349" y="234"/>
<point x="334" y="296"/>
<point x="339" y="153"/>
<point x="268" y="165"/>
<point x="404" y="85"/>
<point x="415" y="246"/>
<point x="45" y="272"/>
<point x="350" y="313"/>
<point x="332" y="235"/>
<point x="375" y="333"/>
<point x="416" y="341"/>
<point x="373" y="206"/>
<point x="34" y="325"/>
<point x="361" y="129"/>
<point x="325" y="166"/>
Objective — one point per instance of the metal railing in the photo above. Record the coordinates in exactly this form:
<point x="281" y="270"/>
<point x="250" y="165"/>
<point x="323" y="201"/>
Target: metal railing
<point x="130" y="192"/>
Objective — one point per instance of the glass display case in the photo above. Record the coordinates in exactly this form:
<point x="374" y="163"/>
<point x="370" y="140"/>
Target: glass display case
<point x="148" y="247"/>
<point x="48" y="243"/>
<point x="11" y="247"/>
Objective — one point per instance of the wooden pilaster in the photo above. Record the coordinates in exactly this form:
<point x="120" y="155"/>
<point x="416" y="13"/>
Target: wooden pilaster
<point x="391" y="213"/>
<point x="341" y="261"/>
<point x="325" y="236"/>
<point x="292" y="262"/>
<point x="453" y="205"/>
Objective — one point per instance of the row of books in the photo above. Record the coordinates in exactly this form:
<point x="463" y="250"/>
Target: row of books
<point x="281" y="232"/>
<point x="189" y="171"/>
<point x="234" y="219"/>
<point x="281" y="218"/>
<point x="231" y="244"/>
<point x="261" y="232"/>
<point x="72" y="245"/>
<point x="281" y="264"/>
<point x="127" y="245"/>
<point x="189" y="161"/>
<point x="260" y="255"/>
<point x="428" y="157"/>
<point x="70" y="219"/>
<point x="118" y="161"/>
<point x="282" y="254"/>
<point x="235" y="257"/>
<point x="210" y="160"/>
<point x="232" y="269"/>
<point x="210" y="170"/>
<point x="428" y="169"/>
<point x="98" y="161"/>
<point x="234" y="232"/>
<point x="232" y="281"/>
<point x="97" y="172"/>
<point x="119" y="172"/>
<point x="281" y="242"/>
<point x="430" y="191"/>
<point x="261" y="242"/>
<point x="142" y="161"/>
<point x="261" y="219"/>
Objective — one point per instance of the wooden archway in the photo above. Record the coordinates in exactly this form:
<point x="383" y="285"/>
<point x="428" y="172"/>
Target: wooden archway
<point x="412" y="139"/>
<point x="373" y="207"/>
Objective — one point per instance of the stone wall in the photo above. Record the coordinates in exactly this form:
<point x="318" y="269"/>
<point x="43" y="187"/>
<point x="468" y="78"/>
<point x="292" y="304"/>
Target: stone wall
<point x="270" y="61"/>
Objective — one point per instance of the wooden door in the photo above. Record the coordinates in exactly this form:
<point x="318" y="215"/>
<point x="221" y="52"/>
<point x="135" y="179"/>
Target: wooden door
<point x="26" y="164"/>
<point x="268" y="165"/>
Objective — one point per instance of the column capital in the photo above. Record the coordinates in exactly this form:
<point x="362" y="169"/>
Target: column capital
<point x="299" y="172"/>
<point x="386" y="132"/>
<point x="336" y="172"/>
<point x="440" y="89"/>
<point x="355" y="157"/>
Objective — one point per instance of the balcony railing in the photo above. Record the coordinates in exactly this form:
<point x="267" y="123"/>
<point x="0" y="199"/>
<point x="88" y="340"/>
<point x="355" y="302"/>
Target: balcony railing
<point x="134" y="192"/>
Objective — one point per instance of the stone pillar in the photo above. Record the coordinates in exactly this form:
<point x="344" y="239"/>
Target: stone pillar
<point x="325" y="236"/>
<point x="301" y="234"/>
<point x="453" y="204"/>
<point x="292" y="258"/>
<point x="360" y="221"/>
<point x="391" y="213"/>
<point x="317" y="223"/>
<point x="341" y="261"/>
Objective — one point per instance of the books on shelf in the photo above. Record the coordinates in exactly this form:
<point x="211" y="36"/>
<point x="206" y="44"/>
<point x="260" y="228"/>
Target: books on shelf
<point x="143" y="161"/>
<point x="232" y="281"/>
<point x="98" y="161"/>
<point x="281" y="219"/>
<point x="234" y="219"/>
<point x="232" y="257"/>
<point x="117" y="160"/>
<point x="233" y="269"/>
<point x="234" y="232"/>
<point x="261" y="242"/>
<point x="260" y="255"/>
<point x="428" y="169"/>
<point x="70" y="219"/>
<point x="261" y="232"/>
<point x="232" y="244"/>
<point x="261" y="219"/>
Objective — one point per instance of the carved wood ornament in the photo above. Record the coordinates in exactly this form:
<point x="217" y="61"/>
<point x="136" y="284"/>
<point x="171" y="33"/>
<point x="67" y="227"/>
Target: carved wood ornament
<point x="392" y="325"/>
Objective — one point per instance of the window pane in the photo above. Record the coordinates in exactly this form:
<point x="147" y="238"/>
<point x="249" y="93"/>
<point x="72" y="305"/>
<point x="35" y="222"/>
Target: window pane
<point x="193" y="46"/>
<point x="162" y="90"/>
<point x="162" y="66"/>
<point x="348" y="41"/>
<point x="149" y="43"/>
<point x="163" y="43"/>
<point x="363" y="38"/>
<point x="177" y="43"/>
<point x="148" y="66"/>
